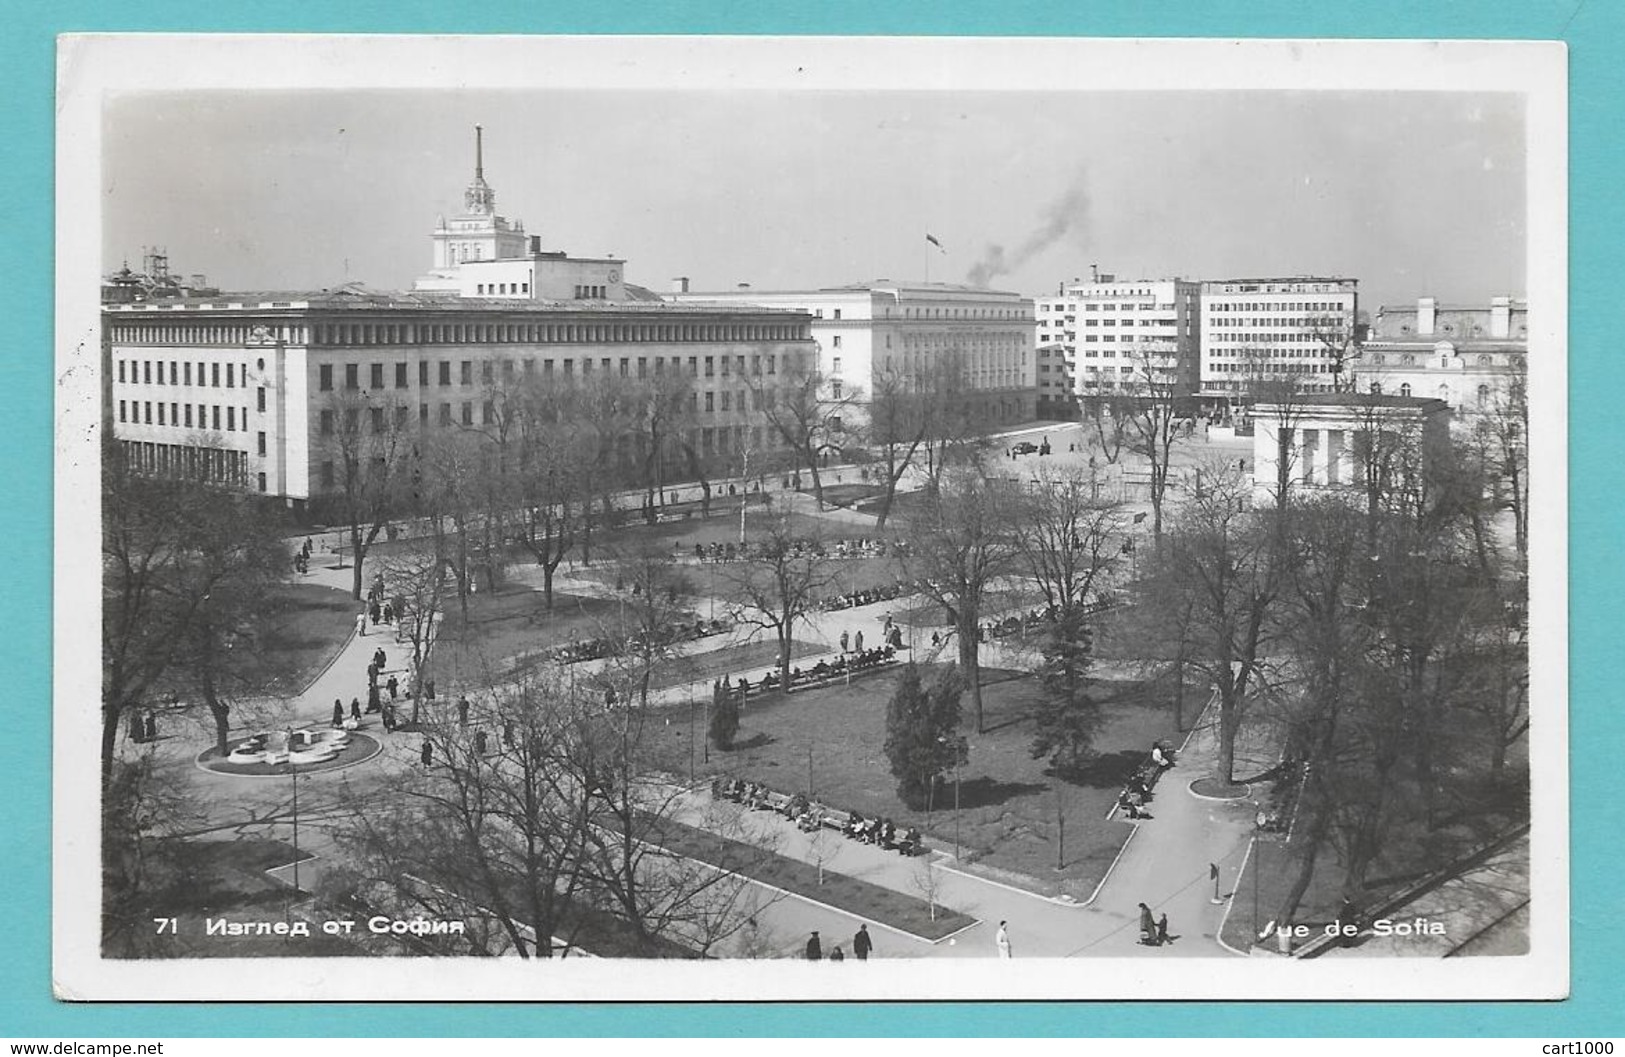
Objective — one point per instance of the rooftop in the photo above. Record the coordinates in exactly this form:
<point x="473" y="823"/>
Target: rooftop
<point x="357" y="297"/>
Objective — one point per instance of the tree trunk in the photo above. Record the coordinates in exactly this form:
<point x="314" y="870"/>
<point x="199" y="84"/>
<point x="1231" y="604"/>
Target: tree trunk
<point x="111" y="714"/>
<point x="970" y="660"/>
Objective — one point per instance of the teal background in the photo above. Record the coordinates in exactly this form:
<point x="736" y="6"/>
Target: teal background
<point x="1595" y="33"/>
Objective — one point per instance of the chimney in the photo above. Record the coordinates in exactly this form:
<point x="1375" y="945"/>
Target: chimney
<point x="535" y="244"/>
<point x="1500" y="317"/>
<point x="1094" y="273"/>
<point x="1425" y="310"/>
<point x="679" y="285"/>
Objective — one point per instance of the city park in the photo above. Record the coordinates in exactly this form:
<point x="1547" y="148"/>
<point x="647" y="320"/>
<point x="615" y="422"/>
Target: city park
<point x="972" y="728"/>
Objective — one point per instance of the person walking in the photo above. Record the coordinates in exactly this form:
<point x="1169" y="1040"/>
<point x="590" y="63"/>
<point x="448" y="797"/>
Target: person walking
<point x="361" y="623"/>
<point x="1162" y="930"/>
<point x="389" y="718"/>
<point x="373" y="611"/>
<point x="427" y="755"/>
<point x="355" y="709"/>
<point x="1148" y="927"/>
<point x="374" y="703"/>
<point x="1002" y="938"/>
<point x="815" y="950"/>
<point x="393" y="686"/>
<point x="861" y="944"/>
<point x="462" y="711"/>
<point x="857" y="642"/>
<point x="338" y="712"/>
<point x="845" y="639"/>
<point x="379" y="657"/>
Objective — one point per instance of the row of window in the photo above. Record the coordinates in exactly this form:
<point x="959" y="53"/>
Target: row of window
<point x="1264" y="321"/>
<point x="178" y="415"/>
<point x="1254" y="338"/>
<point x="189" y="333"/>
<point x="463" y="413"/>
<point x="189" y="461"/>
<point x="511" y="369"/>
<point x="179" y="372"/>
<point x="1278" y="306"/>
<point x="499" y="289"/>
<point x="549" y="333"/>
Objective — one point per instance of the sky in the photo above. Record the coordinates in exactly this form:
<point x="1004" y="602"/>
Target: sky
<point x="1414" y="194"/>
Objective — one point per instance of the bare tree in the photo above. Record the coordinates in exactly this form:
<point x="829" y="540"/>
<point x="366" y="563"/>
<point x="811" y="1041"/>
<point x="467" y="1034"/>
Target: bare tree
<point x="899" y="424"/>
<point x="168" y="544"/>
<point x="963" y="541"/>
<point x="1340" y="348"/>
<point x="374" y="464"/>
<point x="1216" y="584"/>
<point x="804" y="410"/>
<point x="956" y="424"/>
<point x="779" y="585"/>
<point x="415" y="578"/>
<point x="1148" y="420"/>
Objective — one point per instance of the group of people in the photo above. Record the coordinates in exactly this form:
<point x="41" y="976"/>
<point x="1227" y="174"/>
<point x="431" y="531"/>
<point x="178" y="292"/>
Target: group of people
<point x="1153" y="930"/>
<point x="1137" y="793"/>
<point x="861" y="946"/>
<point x="869" y="595"/>
<point x="809" y="815"/>
<point x="301" y="557"/>
<point x="597" y="648"/>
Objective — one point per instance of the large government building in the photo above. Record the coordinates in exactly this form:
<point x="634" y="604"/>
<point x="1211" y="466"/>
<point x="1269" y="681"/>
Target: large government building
<point x="865" y="332"/>
<point x="247" y="386"/>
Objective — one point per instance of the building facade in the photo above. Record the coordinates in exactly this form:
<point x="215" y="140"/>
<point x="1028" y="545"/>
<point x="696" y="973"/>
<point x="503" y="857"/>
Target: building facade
<point x="260" y="387"/>
<point x="1330" y="439"/>
<point x="1120" y="335"/>
<point x="1467" y="356"/>
<point x="867" y="332"/>
<point x="1057" y="391"/>
<point x="1296" y="329"/>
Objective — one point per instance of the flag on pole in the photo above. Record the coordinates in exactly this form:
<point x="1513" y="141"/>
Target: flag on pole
<point x="932" y="239"/>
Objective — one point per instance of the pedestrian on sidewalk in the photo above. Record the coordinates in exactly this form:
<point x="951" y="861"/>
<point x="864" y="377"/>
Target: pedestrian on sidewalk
<point x="427" y="755"/>
<point x="361" y="623"/>
<point x="462" y="711"/>
<point x="1002" y="938"/>
<point x="373" y="701"/>
<point x="355" y="709"/>
<point x="373" y="610"/>
<point x="1162" y="930"/>
<point x="389" y="718"/>
<point x="861" y="944"/>
<point x="393" y="686"/>
<point x="845" y="639"/>
<point x="372" y="675"/>
<point x="380" y="658"/>
<point x="1148" y="927"/>
<point x="815" y="950"/>
<point x="857" y="642"/>
<point x="338" y="712"/>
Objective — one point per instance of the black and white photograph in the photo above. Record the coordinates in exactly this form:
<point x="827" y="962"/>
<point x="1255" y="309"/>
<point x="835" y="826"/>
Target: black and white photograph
<point x="627" y="518"/>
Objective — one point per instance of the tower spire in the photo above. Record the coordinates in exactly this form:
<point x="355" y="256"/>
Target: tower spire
<point x="479" y="152"/>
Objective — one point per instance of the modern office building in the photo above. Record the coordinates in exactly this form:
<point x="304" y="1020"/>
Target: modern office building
<point x="1057" y="392"/>
<point x="257" y="387"/>
<point x="1465" y="355"/>
<point x="866" y="332"/>
<point x="1299" y="328"/>
<point x="1123" y="335"/>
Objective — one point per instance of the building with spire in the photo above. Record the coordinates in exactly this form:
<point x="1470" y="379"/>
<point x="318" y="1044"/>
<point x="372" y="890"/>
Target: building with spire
<point x="264" y="389"/>
<point x="481" y="254"/>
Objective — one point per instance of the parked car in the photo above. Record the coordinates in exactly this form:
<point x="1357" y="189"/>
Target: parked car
<point x="1025" y="447"/>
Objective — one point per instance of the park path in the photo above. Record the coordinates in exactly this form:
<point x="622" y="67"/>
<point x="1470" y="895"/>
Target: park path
<point x="1165" y="864"/>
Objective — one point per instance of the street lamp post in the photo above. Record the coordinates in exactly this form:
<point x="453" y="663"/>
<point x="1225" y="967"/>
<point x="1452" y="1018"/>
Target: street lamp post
<point x="293" y="773"/>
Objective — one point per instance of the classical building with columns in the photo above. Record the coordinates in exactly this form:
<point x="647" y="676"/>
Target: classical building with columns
<point x="1331" y="438"/>
<point x="255" y="386"/>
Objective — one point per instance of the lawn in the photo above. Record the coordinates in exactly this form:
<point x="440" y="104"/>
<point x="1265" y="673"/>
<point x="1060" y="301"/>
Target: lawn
<point x="830" y="740"/>
<point x="858" y="897"/>
<point x="512" y="622"/>
<point x="307" y="626"/>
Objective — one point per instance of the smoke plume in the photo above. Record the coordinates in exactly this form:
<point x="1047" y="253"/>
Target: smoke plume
<point x="1066" y="216"/>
